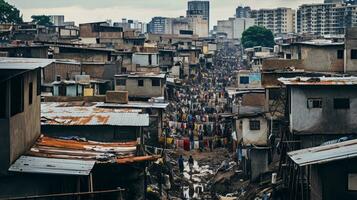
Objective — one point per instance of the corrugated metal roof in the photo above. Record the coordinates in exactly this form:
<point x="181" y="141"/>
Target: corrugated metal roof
<point x="319" y="81"/>
<point x="324" y="154"/>
<point x="23" y="63"/>
<point x="80" y="119"/>
<point x="142" y="75"/>
<point x="134" y="104"/>
<point x="66" y="114"/>
<point x="30" y="164"/>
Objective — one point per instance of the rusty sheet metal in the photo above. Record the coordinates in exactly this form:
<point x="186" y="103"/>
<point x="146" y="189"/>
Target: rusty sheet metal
<point x="319" y="81"/>
<point x="80" y="113"/>
<point x="325" y="154"/>
<point x="81" y="150"/>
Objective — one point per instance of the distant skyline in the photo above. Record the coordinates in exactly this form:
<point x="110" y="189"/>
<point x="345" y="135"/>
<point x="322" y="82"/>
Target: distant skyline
<point x="82" y="11"/>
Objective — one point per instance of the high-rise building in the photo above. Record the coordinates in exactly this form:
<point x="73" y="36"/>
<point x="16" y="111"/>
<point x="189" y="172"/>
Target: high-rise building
<point x="201" y="7"/>
<point x="326" y="19"/>
<point x="234" y="27"/>
<point x="199" y="25"/>
<point x="158" y="25"/>
<point x="57" y="20"/>
<point x="278" y="20"/>
<point x="243" y="12"/>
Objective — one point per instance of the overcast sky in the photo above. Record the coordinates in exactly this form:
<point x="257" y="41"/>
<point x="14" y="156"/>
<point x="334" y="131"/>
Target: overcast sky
<point x="97" y="10"/>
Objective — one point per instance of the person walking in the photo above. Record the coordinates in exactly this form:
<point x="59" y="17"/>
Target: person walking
<point x="181" y="164"/>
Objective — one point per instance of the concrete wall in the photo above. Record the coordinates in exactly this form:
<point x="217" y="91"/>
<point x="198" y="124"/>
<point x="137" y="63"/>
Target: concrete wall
<point x="146" y="91"/>
<point x="321" y="59"/>
<point x="316" y="58"/>
<point x="326" y="120"/>
<point x="254" y="79"/>
<point x="143" y="59"/>
<point x="62" y="69"/>
<point x="25" y="126"/>
<point x="254" y="137"/>
<point x="351" y="43"/>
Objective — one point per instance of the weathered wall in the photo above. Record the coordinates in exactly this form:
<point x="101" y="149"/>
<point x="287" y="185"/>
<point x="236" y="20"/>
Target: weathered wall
<point x="255" y="137"/>
<point x="146" y="91"/>
<point x="25" y="126"/>
<point x="62" y="69"/>
<point x="351" y="43"/>
<point x="276" y="64"/>
<point x="321" y="59"/>
<point x="143" y="59"/>
<point x="326" y="120"/>
<point x="258" y="162"/>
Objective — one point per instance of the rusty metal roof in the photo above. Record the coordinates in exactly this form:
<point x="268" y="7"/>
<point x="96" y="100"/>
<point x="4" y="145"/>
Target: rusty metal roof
<point x="74" y="156"/>
<point x="134" y="104"/>
<point x="325" y="154"/>
<point x="69" y="114"/>
<point x="319" y="81"/>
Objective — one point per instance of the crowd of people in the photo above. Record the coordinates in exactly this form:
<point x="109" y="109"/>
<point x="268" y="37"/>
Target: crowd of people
<point x="194" y="116"/>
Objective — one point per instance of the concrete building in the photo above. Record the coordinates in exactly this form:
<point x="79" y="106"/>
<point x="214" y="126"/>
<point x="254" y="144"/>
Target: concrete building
<point x="159" y="25"/>
<point x="234" y="27"/>
<point x="321" y="108"/>
<point x="243" y="12"/>
<point x="199" y="6"/>
<point x="57" y="20"/>
<point x="20" y="82"/>
<point x="326" y="19"/>
<point x="145" y="59"/>
<point x="93" y="33"/>
<point x="278" y="20"/>
<point x="198" y="25"/>
<point x="141" y="85"/>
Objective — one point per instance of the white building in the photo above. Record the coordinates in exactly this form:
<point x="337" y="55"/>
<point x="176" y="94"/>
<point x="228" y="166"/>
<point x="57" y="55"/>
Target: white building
<point x="326" y="19"/>
<point x="234" y="27"/>
<point x="57" y="20"/>
<point x="278" y="20"/>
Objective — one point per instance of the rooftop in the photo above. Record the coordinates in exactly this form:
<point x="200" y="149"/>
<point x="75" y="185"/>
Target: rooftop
<point x="142" y="75"/>
<point x="72" y="114"/>
<point x="23" y="63"/>
<point x="74" y="156"/>
<point x="319" y="81"/>
<point x="325" y="154"/>
<point x="134" y="104"/>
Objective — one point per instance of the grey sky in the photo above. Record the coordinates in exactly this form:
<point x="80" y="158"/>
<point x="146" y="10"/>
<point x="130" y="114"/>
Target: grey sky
<point x="96" y="10"/>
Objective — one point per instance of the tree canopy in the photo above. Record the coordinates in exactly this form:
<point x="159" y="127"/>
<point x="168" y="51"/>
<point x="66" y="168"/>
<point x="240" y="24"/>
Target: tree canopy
<point x="9" y="13"/>
<point x="43" y="20"/>
<point x="257" y="36"/>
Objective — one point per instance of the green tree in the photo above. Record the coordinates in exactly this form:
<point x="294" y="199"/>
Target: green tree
<point x="9" y="13"/>
<point x="43" y="20"/>
<point x="257" y="36"/>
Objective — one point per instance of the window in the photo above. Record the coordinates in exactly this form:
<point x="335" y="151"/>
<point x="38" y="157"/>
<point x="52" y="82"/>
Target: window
<point x="341" y="103"/>
<point x="352" y="182"/>
<point x="244" y="80"/>
<point x="17" y="95"/>
<point x="150" y="59"/>
<point x="354" y="54"/>
<point x="288" y="56"/>
<point x="156" y="82"/>
<point x="340" y="54"/>
<point x="141" y="83"/>
<point x="30" y="93"/>
<point x="38" y="82"/>
<point x="121" y="82"/>
<point x="274" y="94"/>
<point x="254" y="125"/>
<point x="3" y="100"/>
<point x="314" y="103"/>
